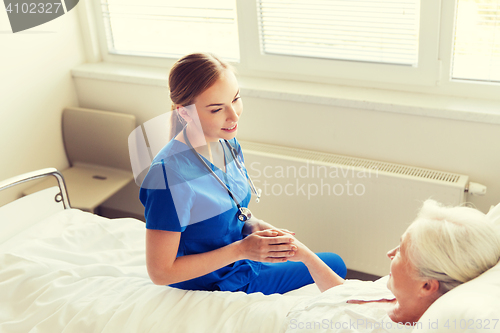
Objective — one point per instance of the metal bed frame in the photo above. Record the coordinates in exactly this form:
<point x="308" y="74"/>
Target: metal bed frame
<point x="62" y="196"/>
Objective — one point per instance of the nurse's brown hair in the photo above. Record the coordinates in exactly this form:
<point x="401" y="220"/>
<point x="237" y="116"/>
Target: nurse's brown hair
<point x="189" y="77"/>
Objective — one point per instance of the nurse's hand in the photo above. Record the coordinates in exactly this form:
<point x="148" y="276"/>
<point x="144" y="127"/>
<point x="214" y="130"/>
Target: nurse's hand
<point x="267" y="246"/>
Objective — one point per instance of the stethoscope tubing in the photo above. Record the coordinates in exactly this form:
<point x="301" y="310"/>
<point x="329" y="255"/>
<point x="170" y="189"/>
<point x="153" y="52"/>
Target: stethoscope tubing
<point x="252" y="186"/>
<point x="241" y="167"/>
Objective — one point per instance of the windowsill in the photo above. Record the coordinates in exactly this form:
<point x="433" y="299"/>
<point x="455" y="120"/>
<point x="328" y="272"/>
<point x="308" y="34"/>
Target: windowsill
<point x="448" y="107"/>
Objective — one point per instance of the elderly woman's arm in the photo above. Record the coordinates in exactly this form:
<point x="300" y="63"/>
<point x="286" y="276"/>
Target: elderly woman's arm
<point x="323" y="275"/>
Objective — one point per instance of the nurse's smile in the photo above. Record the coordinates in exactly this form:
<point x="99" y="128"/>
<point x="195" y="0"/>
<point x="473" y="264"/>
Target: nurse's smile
<point x="231" y="129"/>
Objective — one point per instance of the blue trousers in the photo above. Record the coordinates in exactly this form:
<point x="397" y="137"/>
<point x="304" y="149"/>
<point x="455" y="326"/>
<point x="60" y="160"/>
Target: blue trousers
<point x="286" y="276"/>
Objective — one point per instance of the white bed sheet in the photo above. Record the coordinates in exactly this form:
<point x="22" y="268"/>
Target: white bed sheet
<point x="78" y="272"/>
<point x="330" y="312"/>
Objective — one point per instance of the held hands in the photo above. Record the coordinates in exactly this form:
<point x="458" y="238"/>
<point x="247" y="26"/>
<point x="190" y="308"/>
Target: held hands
<point x="268" y="245"/>
<point x="279" y="245"/>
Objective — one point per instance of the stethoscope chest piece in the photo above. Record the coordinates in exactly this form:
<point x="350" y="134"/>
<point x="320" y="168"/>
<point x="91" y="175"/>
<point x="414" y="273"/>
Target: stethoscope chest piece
<point x="244" y="214"/>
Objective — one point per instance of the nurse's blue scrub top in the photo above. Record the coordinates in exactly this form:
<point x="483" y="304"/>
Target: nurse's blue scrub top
<point x="180" y="194"/>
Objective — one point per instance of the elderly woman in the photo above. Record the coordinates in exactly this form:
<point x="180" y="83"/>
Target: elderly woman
<point x="443" y="248"/>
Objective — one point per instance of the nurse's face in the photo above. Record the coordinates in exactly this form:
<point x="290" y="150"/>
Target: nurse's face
<point x="219" y="108"/>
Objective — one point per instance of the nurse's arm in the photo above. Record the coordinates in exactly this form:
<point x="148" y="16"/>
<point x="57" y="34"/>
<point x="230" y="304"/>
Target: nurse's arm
<point x="164" y="267"/>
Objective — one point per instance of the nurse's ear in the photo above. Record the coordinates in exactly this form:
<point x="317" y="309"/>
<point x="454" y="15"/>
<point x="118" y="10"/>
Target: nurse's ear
<point x="182" y="112"/>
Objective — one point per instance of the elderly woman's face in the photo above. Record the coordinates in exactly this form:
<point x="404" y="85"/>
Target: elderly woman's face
<point x="403" y="279"/>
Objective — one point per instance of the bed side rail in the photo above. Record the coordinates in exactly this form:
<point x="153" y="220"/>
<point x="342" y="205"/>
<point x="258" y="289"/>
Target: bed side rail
<point x="16" y="180"/>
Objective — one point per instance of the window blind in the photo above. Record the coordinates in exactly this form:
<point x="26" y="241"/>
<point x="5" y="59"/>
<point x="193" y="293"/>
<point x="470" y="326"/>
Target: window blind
<point x="170" y="28"/>
<point x="476" y="53"/>
<point x="382" y="31"/>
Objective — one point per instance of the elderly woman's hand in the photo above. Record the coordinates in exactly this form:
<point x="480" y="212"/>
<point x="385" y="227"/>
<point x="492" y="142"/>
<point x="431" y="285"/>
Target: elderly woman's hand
<point x="302" y="252"/>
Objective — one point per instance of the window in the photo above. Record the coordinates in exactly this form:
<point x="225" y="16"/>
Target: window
<point x="169" y="28"/>
<point x="383" y="41"/>
<point x="373" y="31"/>
<point x="424" y="46"/>
<point x="476" y="54"/>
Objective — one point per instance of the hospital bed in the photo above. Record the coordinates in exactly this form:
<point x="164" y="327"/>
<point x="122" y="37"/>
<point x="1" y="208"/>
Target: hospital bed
<point x="66" y="270"/>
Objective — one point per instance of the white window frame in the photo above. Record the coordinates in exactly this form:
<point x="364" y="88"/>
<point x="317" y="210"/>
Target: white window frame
<point x="455" y="87"/>
<point x="431" y="76"/>
<point x="425" y="73"/>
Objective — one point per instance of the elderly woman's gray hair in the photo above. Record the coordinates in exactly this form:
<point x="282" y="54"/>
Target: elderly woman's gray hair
<point x="452" y="244"/>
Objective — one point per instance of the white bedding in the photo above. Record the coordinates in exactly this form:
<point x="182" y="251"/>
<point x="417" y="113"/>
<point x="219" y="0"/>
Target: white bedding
<point x="330" y="312"/>
<point x="78" y="272"/>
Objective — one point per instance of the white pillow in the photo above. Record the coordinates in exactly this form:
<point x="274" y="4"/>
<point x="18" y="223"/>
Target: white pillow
<point x="471" y="307"/>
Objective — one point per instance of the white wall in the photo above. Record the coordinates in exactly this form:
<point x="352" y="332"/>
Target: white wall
<point x="470" y="148"/>
<point x="35" y="85"/>
<point x="143" y="101"/>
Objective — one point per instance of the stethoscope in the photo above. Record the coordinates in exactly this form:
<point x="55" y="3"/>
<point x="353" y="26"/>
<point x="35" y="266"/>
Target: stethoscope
<point x="244" y="213"/>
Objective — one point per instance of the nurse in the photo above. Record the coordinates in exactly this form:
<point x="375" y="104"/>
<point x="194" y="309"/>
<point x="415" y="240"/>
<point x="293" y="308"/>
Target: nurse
<point x="200" y="234"/>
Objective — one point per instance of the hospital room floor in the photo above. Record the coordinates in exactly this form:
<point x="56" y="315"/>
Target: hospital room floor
<point x="361" y="276"/>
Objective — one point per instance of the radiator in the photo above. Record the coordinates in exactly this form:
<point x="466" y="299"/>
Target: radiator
<point x="354" y="207"/>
